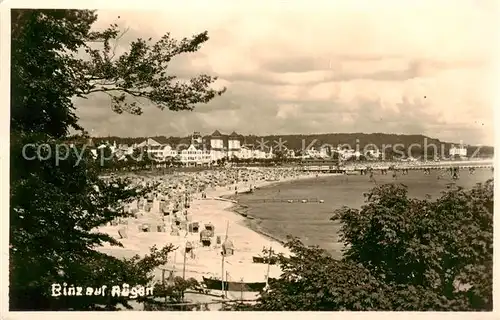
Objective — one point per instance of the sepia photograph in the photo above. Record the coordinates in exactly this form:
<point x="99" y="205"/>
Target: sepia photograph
<point x="251" y="156"/>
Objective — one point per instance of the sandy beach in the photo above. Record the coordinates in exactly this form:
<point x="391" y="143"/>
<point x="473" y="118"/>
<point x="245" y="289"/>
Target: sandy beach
<point x="205" y="261"/>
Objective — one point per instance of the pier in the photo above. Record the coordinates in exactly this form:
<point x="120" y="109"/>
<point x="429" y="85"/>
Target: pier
<point x="287" y="200"/>
<point x="363" y="169"/>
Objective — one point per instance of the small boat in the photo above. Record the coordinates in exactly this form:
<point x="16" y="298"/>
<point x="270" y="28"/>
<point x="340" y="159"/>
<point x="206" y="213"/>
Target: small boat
<point x="215" y="284"/>
<point x="256" y="259"/>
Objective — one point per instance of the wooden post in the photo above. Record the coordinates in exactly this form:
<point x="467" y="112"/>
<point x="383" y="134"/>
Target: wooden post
<point x="184" y="271"/>
<point x="163" y="283"/>
<point x="268" y="265"/>
<point x="223" y="260"/>
<point x="184" y="265"/>
<point x="222" y="275"/>
<point x="227" y="285"/>
<point x="241" y="290"/>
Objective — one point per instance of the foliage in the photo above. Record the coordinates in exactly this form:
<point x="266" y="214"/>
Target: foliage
<point x="401" y="254"/>
<point x="170" y="296"/>
<point x="55" y="210"/>
<point x="58" y="202"/>
<point x="443" y="245"/>
<point x="47" y="71"/>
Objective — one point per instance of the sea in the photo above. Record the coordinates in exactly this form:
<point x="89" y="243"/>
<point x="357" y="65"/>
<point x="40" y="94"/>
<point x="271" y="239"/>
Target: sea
<point x="311" y="221"/>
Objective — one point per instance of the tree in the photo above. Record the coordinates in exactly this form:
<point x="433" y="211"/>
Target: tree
<point x="57" y="202"/>
<point x="401" y="254"/>
<point x="105" y="157"/>
<point x="443" y="245"/>
<point x="56" y="36"/>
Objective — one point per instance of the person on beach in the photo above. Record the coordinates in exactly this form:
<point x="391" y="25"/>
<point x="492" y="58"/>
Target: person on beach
<point x="371" y="177"/>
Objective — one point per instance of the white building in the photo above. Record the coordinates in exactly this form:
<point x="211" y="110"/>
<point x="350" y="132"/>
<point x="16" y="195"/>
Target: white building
<point x="323" y="152"/>
<point x="201" y="150"/>
<point x="246" y="153"/>
<point x="312" y="153"/>
<point x="169" y="152"/>
<point x="347" y="153"/>
<point x="153" y="148"/>
<point x="259" y="154"/>
<point x="290" y="153"/>
<point x="458" y="151"/>
<point x="193" y="156"/>
<point x="217" y="150"/>
<point x="373" y="154"/>
<point x="234" y="145"/>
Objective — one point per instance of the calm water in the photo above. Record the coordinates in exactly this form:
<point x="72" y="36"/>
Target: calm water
<point x="310" y="221"/>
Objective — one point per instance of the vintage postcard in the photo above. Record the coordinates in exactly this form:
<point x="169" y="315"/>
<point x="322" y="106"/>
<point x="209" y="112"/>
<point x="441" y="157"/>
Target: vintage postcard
<point x="250" y="156"/>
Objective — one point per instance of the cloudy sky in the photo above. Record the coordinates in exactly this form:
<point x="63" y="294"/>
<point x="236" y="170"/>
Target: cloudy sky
<point x="349" y="66"/>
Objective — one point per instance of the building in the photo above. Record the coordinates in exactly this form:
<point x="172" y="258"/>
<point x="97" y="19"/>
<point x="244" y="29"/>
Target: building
<point x="312" y="153"/>
<point x="234" y="145"/>
<point x="348" y="153"/>
<point x="196" y="139"/>
<point x="196" y="150"/>
<point x="458" y="151"/>
<point x="193" y="156"/>
<point x="153" y="148"/>
<point x="217" y="149"/>
<point x="373" y="154"/>
<point x="246" y="153"/>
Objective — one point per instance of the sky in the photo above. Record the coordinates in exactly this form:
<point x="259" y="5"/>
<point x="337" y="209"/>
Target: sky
<point x="406" y="67"/>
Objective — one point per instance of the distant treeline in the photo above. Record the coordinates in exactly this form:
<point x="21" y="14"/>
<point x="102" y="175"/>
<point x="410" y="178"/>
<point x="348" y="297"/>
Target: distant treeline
<point x="414" y="145"/>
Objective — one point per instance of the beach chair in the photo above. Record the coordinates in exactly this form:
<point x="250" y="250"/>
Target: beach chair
<point x="210" y="229"/>
<point x="194" y="227"/>
<point x="205" y="239"/>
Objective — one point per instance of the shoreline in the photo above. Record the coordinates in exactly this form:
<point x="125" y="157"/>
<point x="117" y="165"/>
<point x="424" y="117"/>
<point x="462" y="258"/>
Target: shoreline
<point x="241" y="209"/>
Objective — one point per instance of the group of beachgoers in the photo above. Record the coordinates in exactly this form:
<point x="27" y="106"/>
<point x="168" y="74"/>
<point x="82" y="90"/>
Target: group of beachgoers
<point x="167" y="205"/>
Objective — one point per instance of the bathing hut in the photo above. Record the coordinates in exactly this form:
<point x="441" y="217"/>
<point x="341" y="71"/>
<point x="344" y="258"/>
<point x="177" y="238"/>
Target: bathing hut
<point x="218" y="240"/>
<point x="165" y="210"/>
<point x="194" y="227"/>
<point x="210" y="228"/>
<point x="205" y="238"/>
<point x="228" y="248"/>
